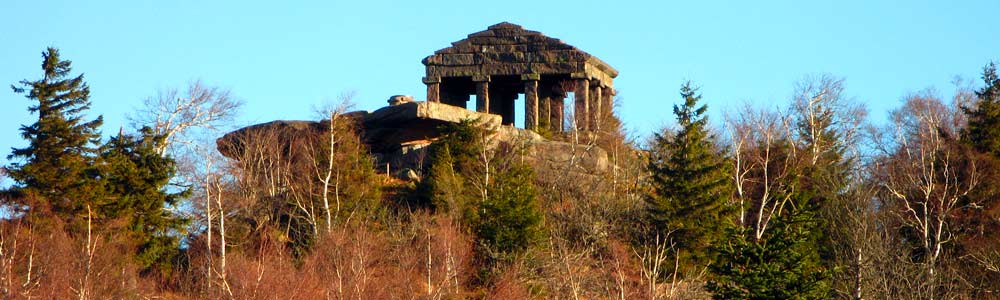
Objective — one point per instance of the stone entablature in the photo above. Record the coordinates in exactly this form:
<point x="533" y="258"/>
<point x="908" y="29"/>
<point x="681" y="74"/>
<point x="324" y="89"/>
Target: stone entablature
<point x="505" y="60"/>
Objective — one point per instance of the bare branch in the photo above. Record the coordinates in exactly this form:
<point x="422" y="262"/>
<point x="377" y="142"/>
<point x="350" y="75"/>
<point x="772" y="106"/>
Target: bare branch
<point x="172" y="114"/>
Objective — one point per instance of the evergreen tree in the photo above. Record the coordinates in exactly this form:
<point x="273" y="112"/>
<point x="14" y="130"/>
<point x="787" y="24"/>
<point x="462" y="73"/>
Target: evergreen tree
<point x="137" y="179"/>
<point x="500" y="208"/>
<point x="783" y="261"/>
<point x="690" y="184"/>
<point x="978" y="223"/>
<point x="781" y="265"/>
<point x="509" y="220"/>
<point x="453" y="158"/>
<point x="59" y="163"/>
<point x="823" y="124"/>
<point x="983" y="129"/>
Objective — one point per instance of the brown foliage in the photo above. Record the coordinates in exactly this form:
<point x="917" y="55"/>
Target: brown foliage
<point x="426" y="258"/>
<point x="43" y="261"/>
<point x="509" y="285"/>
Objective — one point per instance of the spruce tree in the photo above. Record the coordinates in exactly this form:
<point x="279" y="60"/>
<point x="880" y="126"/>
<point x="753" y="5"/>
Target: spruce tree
<point x="137" y="179"/>
<point x="983" y="129"/>
<point x="823" y="120"/>
<point x="500" y="209"/>
<point x="453" y="158"/>
<point x="784" y="261"/>
<point x="690" y="184"/>
<point x="509" y="220"/>
<point x="783" y="264"/>
<point x="59" y="163"/>
<point x="976" y="231"/>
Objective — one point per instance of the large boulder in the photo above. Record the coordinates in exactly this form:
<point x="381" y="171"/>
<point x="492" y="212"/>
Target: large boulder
<point x="568" y="156"/>
<point x="388" y="127"/>
<point x="400" y="136"/>
<point x="284" y="132"/>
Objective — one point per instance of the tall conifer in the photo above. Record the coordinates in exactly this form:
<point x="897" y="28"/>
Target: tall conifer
<point x="59" y="162"/>
<point x="983" y="129"/>
<point x="491" y="191"/>
<point x="690" y="184"/>
<point x="977" y="231"/>
<point x="782" y="264"/>
<point x="137" y="179"/>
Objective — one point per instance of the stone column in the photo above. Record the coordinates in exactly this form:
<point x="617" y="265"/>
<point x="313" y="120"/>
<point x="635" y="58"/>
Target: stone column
<point x="607" y="100"/>
<point x="544" y="105"/>
<point x="556" y="97"/>
<point x="530" y="100"/>
<point x="581" y="91"/>
<point x="433" y="89"/>
<point x="597" y="107"/>
<point x="502" y="102"/>
<point x="482" y="93"/>
<point x="556" y="112"/>
<point x="508" y="113"/>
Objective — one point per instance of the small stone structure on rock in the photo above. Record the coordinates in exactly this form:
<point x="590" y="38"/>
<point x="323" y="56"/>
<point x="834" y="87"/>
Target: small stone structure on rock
<point x="494" y="65"/>
<point x="497" y="64"/>
<point x="400" y="99"/>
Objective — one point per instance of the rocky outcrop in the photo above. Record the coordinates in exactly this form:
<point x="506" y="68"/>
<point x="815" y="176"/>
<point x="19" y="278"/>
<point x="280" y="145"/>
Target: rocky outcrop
<point x="399" y="137"/>
<point x="285" y="132"/>
<point x="389" y="127"/>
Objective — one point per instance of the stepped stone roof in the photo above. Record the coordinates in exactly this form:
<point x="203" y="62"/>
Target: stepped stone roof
<point x="509" y="49"/>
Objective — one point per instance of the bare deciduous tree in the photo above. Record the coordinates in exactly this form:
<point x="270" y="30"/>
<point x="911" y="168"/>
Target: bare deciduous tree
<point x="171" y="113"/>
<point x="826" y="120"/>
<point x="925" y="176"/>
<point x="763" y="161"/>
<point x="653" y="259"/>
<point x="339" y="129"/>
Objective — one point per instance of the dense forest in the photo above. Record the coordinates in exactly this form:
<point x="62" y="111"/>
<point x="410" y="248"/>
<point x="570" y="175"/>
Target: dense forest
<point x="807" y="199"/>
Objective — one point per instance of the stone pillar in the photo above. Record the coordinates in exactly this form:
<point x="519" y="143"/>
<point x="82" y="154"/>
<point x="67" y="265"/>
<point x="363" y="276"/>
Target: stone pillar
<point x="433" y="89"/>
<point x="554" y="95"/>
<point x="502" y="102"/>
<point x="482" y="93"/>
<point x="544" y="105"/>
<point x="556" y="112"/>
<point x="581" y="91"/>
<point x="607" y="100"/>
<point x="597" y="107"/>
<point x="530" y="101"/>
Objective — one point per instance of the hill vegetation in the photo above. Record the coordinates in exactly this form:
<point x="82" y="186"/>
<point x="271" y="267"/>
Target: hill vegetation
<point x="803" y="201"/>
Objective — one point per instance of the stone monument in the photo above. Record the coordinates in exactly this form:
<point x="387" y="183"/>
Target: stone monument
<point x="505" y="60"/>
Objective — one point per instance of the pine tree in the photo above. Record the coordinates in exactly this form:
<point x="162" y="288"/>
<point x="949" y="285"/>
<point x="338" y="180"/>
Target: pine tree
<point x="983" y="129"/>
<point x="783" y="261"/>
<point x="690" y="184"/>
<point x="823" y="124"/>
<point x="137" y="179"/>
<point x="780" y="265"/>
<point x="976" y="231"/>
<point x="509" y="220"/>
<point x="500" y="209"/>
<point x="60" y="160"/>
<point x="453" y="158"/>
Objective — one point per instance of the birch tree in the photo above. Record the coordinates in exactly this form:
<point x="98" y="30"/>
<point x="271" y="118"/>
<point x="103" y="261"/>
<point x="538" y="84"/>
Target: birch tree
<point x="925" y="178"/>
<point x="173" y="113"/>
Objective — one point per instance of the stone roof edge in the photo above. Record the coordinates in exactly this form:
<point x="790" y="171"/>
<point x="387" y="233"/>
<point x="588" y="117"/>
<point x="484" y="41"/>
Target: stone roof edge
<point x="600" y="64"/>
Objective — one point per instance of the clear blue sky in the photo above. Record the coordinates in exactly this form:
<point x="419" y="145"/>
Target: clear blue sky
<point x="284" y="57"/>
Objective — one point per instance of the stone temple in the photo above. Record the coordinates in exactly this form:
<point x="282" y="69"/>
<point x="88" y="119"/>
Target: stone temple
<point x="505" y="60"/>
<point x="494" y="67"/>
